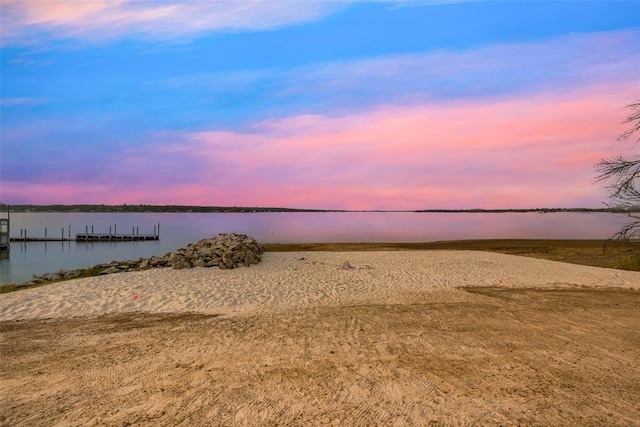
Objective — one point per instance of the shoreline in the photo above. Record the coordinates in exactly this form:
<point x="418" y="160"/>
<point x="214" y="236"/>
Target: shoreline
<point x="292" y="280"/>
<point x="624" y="255"/>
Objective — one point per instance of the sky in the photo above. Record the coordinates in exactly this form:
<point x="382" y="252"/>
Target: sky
<point x="363" y="105"/>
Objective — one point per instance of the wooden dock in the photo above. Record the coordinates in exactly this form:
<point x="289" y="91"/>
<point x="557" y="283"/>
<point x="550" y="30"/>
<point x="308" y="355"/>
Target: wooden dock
<point x="97" y="237"/>
<point x="41" y="239"/>
<point x="87" y="236"/>
<point x="91" y="237"/>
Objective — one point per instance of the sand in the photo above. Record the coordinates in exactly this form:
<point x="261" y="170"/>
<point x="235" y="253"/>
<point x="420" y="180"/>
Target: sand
<point x="283" y="281"/>
<point x="407" y="338"/>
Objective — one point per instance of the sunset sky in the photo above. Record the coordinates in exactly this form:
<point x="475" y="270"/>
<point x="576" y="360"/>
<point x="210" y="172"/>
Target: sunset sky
<point x="314" y="104"/>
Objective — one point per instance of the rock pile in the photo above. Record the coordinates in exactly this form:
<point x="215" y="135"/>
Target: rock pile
<point x="224" y="251"/>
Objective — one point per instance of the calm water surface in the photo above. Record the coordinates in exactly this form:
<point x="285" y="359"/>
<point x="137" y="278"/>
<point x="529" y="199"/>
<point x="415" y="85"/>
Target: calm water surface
<point x="179" y="229"/>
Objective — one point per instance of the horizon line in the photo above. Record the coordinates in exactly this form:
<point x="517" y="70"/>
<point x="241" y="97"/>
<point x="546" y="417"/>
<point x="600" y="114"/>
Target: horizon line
<point x="281" y="208"/>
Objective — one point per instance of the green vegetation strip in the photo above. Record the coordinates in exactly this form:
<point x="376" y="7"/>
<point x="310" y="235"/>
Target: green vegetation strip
<point x="599" y="253"/>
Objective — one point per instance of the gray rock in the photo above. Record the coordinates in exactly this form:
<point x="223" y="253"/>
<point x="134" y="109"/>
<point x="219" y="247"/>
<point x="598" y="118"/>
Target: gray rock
<point x="179" y="265"/>
<point x="176" y="257"/>
<point x="199" y="263"/>
<point x="251" y="258"/>
<point x="227" y="260"/>
<point x="71" y="274"/>
<point x="159" y="262"/>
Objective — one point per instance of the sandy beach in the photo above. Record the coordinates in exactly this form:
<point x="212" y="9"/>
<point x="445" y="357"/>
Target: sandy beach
<point x="402" y="338"/>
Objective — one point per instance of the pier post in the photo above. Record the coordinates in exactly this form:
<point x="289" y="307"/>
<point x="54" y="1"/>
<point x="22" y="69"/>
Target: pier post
<point x="62" y="236"/>
<point x="5" y="232"/>
<point x="69" y="231"/>
<point x="45" y="232"/>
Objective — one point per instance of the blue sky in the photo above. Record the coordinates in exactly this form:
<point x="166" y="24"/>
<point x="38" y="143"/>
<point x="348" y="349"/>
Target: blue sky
<point x="314" y="103"/>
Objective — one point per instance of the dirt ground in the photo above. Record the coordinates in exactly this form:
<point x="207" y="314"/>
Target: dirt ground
<point x="477" y="356"/>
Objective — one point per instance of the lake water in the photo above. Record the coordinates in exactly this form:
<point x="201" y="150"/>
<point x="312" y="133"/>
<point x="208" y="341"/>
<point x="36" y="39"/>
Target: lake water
<point x="179" y="229"/>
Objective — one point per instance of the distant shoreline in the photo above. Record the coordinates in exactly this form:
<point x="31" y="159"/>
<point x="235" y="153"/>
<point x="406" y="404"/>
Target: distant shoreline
<point x="248" y="209"/>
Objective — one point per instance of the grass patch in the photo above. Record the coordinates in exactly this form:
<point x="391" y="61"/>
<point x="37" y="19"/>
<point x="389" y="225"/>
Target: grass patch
<point x="597" y="253"/>
<point x="631" y="263"/>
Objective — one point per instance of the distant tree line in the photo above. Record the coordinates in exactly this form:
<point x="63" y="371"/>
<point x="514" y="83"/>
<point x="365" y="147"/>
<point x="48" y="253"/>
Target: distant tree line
<point x="147" y="208"/>
<point x="242" y="209"/>
<point x="611" y="209"/>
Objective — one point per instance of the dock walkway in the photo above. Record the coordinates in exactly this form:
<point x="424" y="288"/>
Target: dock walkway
<point x="107" y="237"/>
<point x="91" y="237"/>
<point x="87" y="236"/>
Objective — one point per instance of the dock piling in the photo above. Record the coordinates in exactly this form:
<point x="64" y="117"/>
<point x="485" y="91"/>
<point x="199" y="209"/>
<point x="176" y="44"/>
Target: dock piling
<point x="5" y="232"/>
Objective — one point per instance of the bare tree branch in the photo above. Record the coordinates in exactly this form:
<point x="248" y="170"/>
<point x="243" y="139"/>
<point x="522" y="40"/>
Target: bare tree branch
<point x="623" y="176"/>
<point x="630" y="230"/>
<point x="634" y="119"/>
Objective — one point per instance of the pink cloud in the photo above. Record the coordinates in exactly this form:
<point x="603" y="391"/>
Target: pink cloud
<point x="491" y="153"/>
<point x="108" y="19"/>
